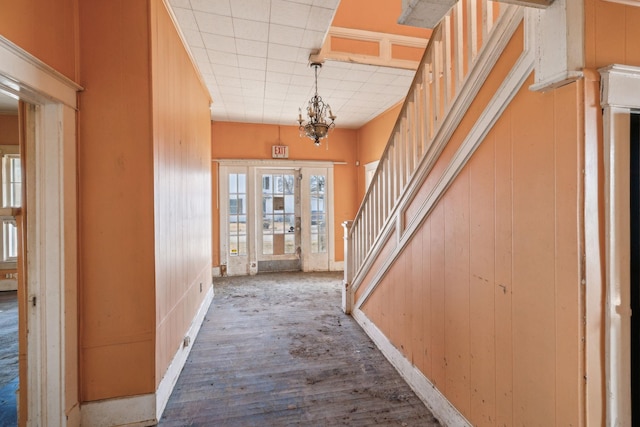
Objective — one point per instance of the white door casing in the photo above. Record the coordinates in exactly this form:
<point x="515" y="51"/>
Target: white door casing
<point x="620" y="93"/>
<point x="51" y="226"/>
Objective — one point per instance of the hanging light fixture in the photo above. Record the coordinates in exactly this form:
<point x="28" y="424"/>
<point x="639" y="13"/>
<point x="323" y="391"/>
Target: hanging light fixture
<point x="318" y="123"/>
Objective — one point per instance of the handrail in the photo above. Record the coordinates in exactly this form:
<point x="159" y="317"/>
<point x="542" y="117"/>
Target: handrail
<point x="448" y="60"/>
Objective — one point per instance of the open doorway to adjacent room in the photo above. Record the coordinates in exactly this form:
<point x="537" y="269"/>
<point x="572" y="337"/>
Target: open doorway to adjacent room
<point x="10" y="198"/>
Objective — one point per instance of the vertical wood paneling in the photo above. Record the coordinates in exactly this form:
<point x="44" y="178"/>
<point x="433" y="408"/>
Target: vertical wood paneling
<point x="533" y="301"/>
<point x="456" y="276"/>
<point x="499" y="286"/>
<point x="115" y="158"/>
<point x="503" y="289"/>
<point x="423" y="300"/>
<point x="482" y="284"/>
<point x="611" y="33"/>
<point x="182" y="189"/>
<point x="437" y="301"/>
<point x="569" y="362"/>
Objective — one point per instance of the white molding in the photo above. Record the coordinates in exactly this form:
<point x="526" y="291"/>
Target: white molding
<point x="51" y="224"/>
<point x="127" y="411"/>
<point x="558" y="37"/>
<point x="619" y="94"/>
<point x="336" y="266"/>
<point x="29" y="78"/>
<point x="487" y="58"/>
<point x="170" y="378"/>
<point x="433" y="399"/>
<point x="276" y="163"/>
<point x="635" y="3"/>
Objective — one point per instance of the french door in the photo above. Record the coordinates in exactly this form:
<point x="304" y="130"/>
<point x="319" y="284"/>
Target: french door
<point x="279" y="239"/>
<point x="276" y="216"/>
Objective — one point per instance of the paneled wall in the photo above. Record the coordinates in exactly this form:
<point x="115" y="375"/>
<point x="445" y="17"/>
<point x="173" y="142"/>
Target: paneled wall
<point x="611" y="34"/>
<point x="485" y="299"/>
<point x="182" y="189"/>
<point x="116" y="201"/>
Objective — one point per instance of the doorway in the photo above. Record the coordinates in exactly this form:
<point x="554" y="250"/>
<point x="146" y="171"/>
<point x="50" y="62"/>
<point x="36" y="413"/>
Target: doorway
<point x="279" y="209"/>
<point x="634" y="291"/>
<point x="276" y="215"/>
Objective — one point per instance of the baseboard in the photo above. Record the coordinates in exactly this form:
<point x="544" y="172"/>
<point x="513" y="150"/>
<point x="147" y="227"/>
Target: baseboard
<point x="336" y="266"/>
<point x="180" y="358"/>
<point x="133" y="411"/>
<point x="145" y="410"/>
<point x="441" y="408"/>
<point x="8" y="285"/>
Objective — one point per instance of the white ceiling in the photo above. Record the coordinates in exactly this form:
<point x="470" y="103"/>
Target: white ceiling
<point x="8" y="104"/>
<point x="253" y="56"/>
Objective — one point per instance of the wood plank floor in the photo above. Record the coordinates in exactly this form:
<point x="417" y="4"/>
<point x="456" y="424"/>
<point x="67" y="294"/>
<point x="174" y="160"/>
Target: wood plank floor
<point x="276" y="350"/>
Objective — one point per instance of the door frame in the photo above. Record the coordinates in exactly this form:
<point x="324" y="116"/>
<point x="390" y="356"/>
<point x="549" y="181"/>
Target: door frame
<point x="51" y="227"/>
<point x="251" y="168"/>
<point x="620" y="93"/>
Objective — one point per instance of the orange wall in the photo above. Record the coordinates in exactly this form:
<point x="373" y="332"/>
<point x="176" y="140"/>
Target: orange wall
<point x="254" y="141"/>
<point x="46" y="29"/>
<point x="116" y="201"/>
<point x="611" y="34"/>
<point x="9" y="131"/>
<point x="182" y="176"/>
<point x="366" y="15"/>
<point x="372" y="140"/>
<point x="485" y="297"/>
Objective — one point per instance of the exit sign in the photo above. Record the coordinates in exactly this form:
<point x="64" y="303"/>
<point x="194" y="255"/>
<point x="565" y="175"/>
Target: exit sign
<point x="279" y="151"/>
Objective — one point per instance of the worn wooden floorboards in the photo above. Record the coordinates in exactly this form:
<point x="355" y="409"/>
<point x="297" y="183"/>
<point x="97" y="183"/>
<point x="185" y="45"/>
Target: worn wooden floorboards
<point x="276" y="350"/>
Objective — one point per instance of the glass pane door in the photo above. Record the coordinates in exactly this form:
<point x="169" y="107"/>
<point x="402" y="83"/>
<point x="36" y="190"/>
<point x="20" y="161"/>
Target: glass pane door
<point x="280" y="237"/>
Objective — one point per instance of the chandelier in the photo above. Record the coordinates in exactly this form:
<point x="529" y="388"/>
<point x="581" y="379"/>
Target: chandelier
<point x="318" y="123"/>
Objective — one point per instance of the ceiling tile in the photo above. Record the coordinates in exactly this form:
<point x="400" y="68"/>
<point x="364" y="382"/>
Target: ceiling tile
<point x="251" y="48"/>
<point x="218" y="42"/>
<point x="285" y="35"/>
<point x="252" y="63"/>
<point x="250" y="30"/>
<point x="223" y="58"/>
<point x="219" y="7"/>
<point x="251" y="9"/>
<point x="180" y="3"/>
<point x="185" y="18"/>
<point x="275" y="77"/>
<point x="193" y="38"/>
<point x="312" y="39"/>
<point x="319" y="18"/>
<point x="214" y="24"/>
<point x="284" y="53"/>
<point x="287" y="13"/>
<point x="249" y="74"/>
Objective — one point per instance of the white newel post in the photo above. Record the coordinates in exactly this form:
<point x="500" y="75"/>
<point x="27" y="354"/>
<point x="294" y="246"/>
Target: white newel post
<point x="347" y="297"/>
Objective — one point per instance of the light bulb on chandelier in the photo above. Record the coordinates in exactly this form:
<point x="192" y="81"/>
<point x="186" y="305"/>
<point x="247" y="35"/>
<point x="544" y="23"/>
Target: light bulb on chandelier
<point x="318" y="122"/>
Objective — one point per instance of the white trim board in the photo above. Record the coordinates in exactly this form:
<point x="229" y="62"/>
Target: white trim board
<point x="146" y="409"/>
<point x="51" y="225"/>
<point x="620" y="93"/>
<point x="433" y="399"/>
